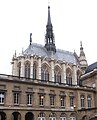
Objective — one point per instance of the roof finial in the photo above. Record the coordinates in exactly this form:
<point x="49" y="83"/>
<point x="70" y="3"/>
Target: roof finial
<point x="81" y="44"/>
<point x="15" y="54"/>
<point x="30" y="38"/>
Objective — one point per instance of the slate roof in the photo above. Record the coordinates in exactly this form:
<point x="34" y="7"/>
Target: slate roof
<point x="91" y="67"/>
<point x="40" y="50"/>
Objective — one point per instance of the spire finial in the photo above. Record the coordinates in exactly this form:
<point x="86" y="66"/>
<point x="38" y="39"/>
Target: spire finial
<point x="81" y="46"/>
<point x="81" y="43"/>
<point x="49" y="17"/>
<point x="30" y="38"/>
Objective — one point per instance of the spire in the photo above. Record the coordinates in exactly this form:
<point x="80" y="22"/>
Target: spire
<point x="81" y="49"/>
<point x="82" y="58"/>
<point x="49" y="37"/>
<point x="49" y="17"/>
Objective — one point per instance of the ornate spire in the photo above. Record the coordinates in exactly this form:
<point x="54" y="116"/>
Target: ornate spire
<point x="49" y="43"/>
<point x="82" y="58"/>
<point x="81" y="49"/>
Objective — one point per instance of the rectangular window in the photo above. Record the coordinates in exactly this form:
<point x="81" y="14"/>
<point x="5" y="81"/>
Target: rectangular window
<point x="41" y="100"/>
<point x="2" y="97"/>
<point x="16" y="98"/>
<point x="82" y="102"/>
<point x="29" y="99"/>
<point x="89" y="102"/>
<point x="62" y="101"/>
<point x="52" y="100"/>
<point x="71" y="101"/>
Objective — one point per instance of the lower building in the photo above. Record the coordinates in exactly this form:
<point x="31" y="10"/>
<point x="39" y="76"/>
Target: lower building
<point x="27" y="99"/>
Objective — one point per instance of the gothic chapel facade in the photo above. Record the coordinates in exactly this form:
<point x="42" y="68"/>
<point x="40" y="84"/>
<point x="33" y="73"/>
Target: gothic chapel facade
<point x="47" y="84"/>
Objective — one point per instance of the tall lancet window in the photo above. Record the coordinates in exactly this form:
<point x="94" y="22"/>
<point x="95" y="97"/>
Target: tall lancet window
<point x="68" y="77"/>
<point x="34" y="71"/>
<point x="78" y="77"/>
<point x="19" y="69"/>
<point x="27" y="70"/>
<point x="57" y="75"/>
<point x="44" y="73"/>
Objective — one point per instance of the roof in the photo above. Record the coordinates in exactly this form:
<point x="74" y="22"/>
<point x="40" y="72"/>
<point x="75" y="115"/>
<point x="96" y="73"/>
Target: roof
<point x="40" y="50"/>
<point x="91" y="67"/>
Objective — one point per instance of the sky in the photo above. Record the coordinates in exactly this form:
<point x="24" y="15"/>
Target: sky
<point x="73" y="21"/>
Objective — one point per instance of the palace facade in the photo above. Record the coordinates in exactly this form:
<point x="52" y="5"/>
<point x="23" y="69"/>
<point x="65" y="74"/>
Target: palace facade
<point x="49" y="84"/>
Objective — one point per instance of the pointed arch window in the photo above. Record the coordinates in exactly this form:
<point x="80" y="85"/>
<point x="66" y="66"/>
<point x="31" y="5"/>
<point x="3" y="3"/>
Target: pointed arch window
<point x="68" y="77"/>
<point x="19" y="69"/>
<point x="34" y="71"/>
<point x="57" y="75"/>
<point x="63" y="116"/>
<point x="52" y="116"/>
<point x="41" y="116"/>
<point x="44" y="73"/>
<point x="78" y="77"/>
<point x="73" y="117"/>
<point x="27" y="70"/>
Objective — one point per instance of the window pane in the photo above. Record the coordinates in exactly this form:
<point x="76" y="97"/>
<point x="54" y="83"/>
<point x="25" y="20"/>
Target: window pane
<point x="16" y="98"/>
<point x="1" y="97"/>
<point x="29" y="99"/>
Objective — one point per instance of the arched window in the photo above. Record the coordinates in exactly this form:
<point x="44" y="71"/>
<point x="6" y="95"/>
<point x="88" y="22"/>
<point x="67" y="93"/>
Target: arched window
<point x="63" y="116"/>
<point x="57" y="75"/>
<point x="34" y="71"/>
<point x="41" y="116"/>
<point x="19" y="69"/>
<point x="68" y="77"/>
<point x="73" y="117"/>
<point x="2" y="115"/>
<point x="82" y="100"/>
<point x="16" y="116"/>
<point x="27" y="70"/>
<point x="44" y="73"/>
<point x="52" y="116"/>
<point x="89" y="101"/>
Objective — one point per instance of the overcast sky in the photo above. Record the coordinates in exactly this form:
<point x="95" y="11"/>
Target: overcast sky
<point x="73" y="21"/>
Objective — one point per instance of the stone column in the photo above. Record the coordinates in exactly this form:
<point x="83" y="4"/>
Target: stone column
<point x="8" y="115"/>
<point x="67" y="101"/>
<point x="74" y="75"/>
<point x="63" y="73"/>
<point x="22" y="68"/>
<point x="52" y="71"/>
<point x="31" y="69"/>
<point x="39" y="68"/>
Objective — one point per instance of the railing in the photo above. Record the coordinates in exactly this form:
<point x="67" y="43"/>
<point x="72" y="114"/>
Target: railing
<point x="17" y="78"/>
